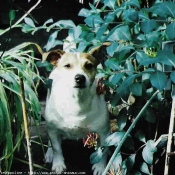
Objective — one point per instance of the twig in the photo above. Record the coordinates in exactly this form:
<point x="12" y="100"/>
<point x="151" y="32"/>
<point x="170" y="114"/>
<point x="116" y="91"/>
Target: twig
<point x="118" y="2"/>
<point x="35" y="165"/>
<point x="14" y="25"/>
<point x="26" y="125"/>
<point x="97" y="4"/>
<point x="170" y="133"/>
<point x="157" y="126"/>
<point x="128" y="132"/>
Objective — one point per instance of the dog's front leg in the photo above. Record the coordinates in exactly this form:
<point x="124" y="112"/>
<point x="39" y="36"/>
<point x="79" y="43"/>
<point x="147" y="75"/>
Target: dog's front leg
<point x="54" y="153"/>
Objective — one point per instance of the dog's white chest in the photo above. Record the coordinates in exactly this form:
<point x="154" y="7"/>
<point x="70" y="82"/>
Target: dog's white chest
<point x="73" y="119"/>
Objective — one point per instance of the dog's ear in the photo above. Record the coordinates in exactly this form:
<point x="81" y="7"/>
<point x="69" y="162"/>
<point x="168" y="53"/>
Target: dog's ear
<point x="53" y="56"/>
<point x="99" y="53"/>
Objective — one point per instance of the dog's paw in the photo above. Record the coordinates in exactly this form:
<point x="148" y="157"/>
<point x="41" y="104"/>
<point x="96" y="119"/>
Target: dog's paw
<point x="58" y="167"/>
<point x="98" y="168"/>
<point x="49" y="156"/>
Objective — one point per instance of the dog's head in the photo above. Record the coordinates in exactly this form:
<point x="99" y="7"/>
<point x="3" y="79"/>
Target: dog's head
<point x="77" y="70"/>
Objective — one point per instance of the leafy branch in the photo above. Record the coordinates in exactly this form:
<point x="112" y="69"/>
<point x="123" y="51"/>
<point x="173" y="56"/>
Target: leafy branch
<point x="22" y="18"/>
<point x="128" y="132"/>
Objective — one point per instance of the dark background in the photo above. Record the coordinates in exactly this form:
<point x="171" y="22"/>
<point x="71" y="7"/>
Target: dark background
<point x="55" y="9"/>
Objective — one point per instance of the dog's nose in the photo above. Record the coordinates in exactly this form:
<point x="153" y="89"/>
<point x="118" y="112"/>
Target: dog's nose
<point x="80" y="79"/>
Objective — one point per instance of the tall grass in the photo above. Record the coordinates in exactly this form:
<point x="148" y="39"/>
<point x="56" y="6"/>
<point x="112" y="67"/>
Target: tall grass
<point x="16" y="63"/>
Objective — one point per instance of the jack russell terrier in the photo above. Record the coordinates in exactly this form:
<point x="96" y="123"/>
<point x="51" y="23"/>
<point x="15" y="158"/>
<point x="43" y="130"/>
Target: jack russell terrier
<point x="73" y="107"/>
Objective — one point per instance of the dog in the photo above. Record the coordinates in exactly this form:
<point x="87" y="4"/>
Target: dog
<point x="73" y="107"/>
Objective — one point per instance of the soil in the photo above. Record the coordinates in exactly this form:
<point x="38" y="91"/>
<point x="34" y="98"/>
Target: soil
<point x="77" y="159"/>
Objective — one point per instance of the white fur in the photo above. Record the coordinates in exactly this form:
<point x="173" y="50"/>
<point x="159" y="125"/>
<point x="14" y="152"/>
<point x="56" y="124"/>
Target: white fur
<point x="73" y="112"/>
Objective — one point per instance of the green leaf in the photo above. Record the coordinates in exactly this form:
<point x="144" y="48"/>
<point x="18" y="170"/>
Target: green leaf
<point x="94" y="20"/>
<point x="27" y="28"/>
<point x="96" y="156"/>
<point x="114" y="79"/>
<point x="112" y="64"/>
<point x="144" y="168"/>
<point x="101" y="31"/>
<point x="149" y="91"/>
<point x="82" y="46"/>
<point x="52" y="42"/>
<point x="129" y="80"/>
<point x="84" y="12"/>
<point x="166" y="57"/>
<point x="94" y="9"/>
<point x="123" y="89"/>
<point x="11" y="82"/>
<point x="134" y="3"/>
<point x="112" y="48"/>
<point x="129" y="67"/>
<point x="148" y="26"/>
<point x="20" y="67"/>
<point x="110" y="3"/>
<point x="164" y="9"/>
<point x="100" y="75"/>
<point x="168" y="8"/>
<point x="115" y="99"/>
<point x="117" y="162"/>
<point x="7" y="129"/>
<point x="128" y="163"/>
<point x="168" y="85"/>
<point x="122" y="119"/>
<point x="29" y="21"/>
<point x="34" y="103"/>
<point x="148" y="152"/>
<point x="150" y="144"/>
<point x="48" y="66"/>
<point x="65" y="24"/>
<point x="120" y="32"/>
<point x="145" y="76"/>
<point x="109" y="17"/>
<point x="75" y="32"/>
<point x="145" y="60"/>
<point x="149" y="115"/>
<point x="140" y="135"/>
<point x="158" y="80"/>
<point x="3" y="112"/>
<point x="143" y="16"/>
<point x="130" y="15"/>
<point x="148" y="71"/>
<point x="136" y="29"/>
<point x="172" y="76"/>
<point x="136" y="89"/>
<point x="170" y="31"/>
<point x="114" y="139"/>
<point x="48" y="21"/>
<point x="12" y="15"/>
<point x="152" y="40"/>
<point x="48" y="83"/>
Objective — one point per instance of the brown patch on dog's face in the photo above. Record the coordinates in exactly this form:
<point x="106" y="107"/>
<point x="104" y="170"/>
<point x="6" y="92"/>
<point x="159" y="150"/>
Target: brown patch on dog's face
<point x="78" y="63"/>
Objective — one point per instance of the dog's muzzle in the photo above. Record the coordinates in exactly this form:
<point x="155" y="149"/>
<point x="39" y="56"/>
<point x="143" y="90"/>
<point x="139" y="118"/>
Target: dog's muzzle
<point x="80" y="81"/>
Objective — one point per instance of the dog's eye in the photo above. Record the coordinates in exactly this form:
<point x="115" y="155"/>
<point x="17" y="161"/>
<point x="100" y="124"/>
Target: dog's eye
<point x="67" y="66"/>
<point x="88" y="66"/>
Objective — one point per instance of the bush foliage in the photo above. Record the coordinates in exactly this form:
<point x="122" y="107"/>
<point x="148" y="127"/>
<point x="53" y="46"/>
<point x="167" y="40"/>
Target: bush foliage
<point x="140" y="61"/>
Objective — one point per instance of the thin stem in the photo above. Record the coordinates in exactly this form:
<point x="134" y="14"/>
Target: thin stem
<point x="25" y="118"/>
<point x="170" y="133"/>
<point x="27" y="13"/>
<point x="128" y="132"/>
<point x="35" y="165"/>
